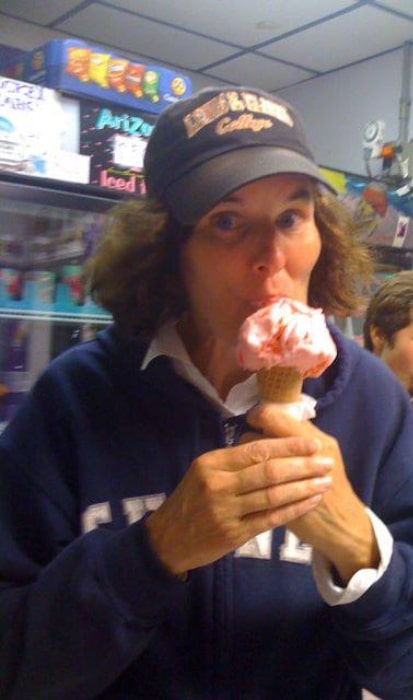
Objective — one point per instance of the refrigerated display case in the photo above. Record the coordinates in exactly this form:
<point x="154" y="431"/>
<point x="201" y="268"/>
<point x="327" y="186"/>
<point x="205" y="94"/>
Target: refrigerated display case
<point x="47" y="231"/>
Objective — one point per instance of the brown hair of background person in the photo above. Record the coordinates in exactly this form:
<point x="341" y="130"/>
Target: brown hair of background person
<point x="388" y="325"/>
<point x="135" y="272"/>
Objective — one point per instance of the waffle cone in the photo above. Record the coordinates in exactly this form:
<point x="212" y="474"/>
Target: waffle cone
<point x="280" y="384"/>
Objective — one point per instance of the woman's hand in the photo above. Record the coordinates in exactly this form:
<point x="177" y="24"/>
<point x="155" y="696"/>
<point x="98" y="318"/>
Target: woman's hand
<point x="339" y="526"/>
<point x="232" y="494"/>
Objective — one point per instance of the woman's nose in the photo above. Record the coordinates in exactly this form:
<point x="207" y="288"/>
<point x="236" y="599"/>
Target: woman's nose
<point x="269" y="254"/>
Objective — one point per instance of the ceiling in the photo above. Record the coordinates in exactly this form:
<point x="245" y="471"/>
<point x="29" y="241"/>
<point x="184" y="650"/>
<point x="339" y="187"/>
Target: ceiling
<point x="271" y="44"/>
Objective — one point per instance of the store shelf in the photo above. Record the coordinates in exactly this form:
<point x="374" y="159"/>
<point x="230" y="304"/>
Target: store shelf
<point x="56" y="316"/>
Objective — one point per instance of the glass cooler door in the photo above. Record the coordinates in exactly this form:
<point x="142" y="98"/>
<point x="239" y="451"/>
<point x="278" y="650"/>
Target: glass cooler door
<point x="46" y="235"/>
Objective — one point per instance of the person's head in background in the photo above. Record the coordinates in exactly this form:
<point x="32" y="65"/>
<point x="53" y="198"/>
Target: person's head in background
<point x="388" y="326"/>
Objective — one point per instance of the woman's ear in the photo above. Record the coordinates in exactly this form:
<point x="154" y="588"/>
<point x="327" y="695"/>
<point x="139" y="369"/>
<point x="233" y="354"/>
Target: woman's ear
<point x="377" y="339"/>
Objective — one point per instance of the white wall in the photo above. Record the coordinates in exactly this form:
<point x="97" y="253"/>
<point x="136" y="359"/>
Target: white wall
<point x="336" y="107"/>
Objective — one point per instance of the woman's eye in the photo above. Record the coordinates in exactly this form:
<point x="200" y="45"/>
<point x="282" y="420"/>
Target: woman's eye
<point x="226" y="222"/>
<point x="289" y="220"/>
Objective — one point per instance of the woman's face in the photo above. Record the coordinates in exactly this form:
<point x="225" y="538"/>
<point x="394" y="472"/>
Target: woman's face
<point x="258" y="243"/>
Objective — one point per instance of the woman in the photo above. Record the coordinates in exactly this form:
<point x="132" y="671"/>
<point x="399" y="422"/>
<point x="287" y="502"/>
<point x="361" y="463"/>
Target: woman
<point x="159" y="525"/>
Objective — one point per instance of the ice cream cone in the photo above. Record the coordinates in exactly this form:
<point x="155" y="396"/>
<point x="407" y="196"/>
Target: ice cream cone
<point x="280" y="384"/>
<point x="285" y="343"/>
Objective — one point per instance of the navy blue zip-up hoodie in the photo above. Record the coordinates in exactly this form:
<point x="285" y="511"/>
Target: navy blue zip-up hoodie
<point x="88" y="612"/>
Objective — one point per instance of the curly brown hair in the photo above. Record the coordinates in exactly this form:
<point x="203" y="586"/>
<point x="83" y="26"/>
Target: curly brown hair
<point x="135" y="271"/>
<point x="345" y="267"/>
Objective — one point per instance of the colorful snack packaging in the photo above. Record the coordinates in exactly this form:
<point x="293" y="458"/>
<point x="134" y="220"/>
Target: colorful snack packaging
<point x="134" y="79"/>
<point x="151" y="85"/>
<point x="78" y="61"/>
<point x="117" y="68"/>
<point x="98" y="69"/>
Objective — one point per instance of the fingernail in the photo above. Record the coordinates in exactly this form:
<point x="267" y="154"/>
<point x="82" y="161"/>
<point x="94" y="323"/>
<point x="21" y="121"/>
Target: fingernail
<point x="317" y="443"/>
<point x="314" y="500"/>
<point x="323" y="483"/>
<point x="321" y="461"/>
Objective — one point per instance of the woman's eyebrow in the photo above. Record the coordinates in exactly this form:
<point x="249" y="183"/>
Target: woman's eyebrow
<point x="302" y="192"/>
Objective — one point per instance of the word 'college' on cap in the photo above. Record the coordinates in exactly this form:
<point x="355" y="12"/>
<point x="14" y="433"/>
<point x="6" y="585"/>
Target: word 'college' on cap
<point x="208" y="145"/>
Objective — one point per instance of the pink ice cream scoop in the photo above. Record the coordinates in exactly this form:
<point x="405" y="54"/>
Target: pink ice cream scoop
<point x="286" y="334"/>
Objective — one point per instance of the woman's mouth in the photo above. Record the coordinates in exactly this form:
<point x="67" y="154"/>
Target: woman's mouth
<point x="267" y="300"/>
